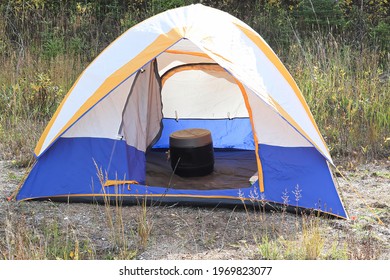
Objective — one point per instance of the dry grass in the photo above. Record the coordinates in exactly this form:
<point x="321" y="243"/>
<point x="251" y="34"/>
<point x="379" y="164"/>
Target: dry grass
<point x="51" y="239"/>
<point x="347" y="90"/>
<point x="176" y="233"/>
<point x="348" y="93"/>
<point x="47" y="230"/>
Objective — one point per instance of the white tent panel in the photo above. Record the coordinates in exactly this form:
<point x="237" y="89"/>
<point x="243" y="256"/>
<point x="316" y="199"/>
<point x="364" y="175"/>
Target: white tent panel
<point x="271" y="128"/>
<point x="243" y="59"/>
<point x="168" y="61"/>
<point x="202" y="94"/>
<point x="185" y="45"/>
<point x="119" y="53"/>
<point x="226" y="45"/>
<point x="142" y="115"/>
<point x="103" y="120"/>
<point x="281" y="91"/>
<point x="219" y="35"/>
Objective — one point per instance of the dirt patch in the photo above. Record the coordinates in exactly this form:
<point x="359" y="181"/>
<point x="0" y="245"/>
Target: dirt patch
<point x="203" y="233"/>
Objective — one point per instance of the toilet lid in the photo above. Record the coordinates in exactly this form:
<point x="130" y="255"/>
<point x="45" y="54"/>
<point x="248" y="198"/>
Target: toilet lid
<point x="190" y="138"/>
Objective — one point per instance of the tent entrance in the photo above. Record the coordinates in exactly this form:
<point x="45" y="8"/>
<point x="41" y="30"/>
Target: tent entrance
<point x="232" y="170"/>
<point x="204" y="95"/>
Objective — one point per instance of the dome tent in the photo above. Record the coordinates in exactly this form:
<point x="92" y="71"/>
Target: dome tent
<point x="189" y="67"/>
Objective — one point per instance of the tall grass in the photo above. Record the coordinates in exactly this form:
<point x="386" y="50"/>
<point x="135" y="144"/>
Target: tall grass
<point x="115" y="220"/>
<point x="31" y="88"/>
<point x="49" y="240"/>
<point x="44" y="48"/>
<point x="313" y="238"/>
<point x="348" y="92"/>
<point x="60" y="235"/>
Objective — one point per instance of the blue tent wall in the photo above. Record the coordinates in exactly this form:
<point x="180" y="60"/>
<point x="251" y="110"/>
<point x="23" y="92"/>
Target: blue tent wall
<point x="301" y="174"/>
<point x="68" y="167"/>
<point x="233" y="134"/>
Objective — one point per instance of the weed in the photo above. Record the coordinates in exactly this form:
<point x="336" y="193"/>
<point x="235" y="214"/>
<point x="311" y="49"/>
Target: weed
<point x="268" y="249"/>
<point x="345" y="87"/>
<point x="115" y="220"/>
<point x="48" y="241"/>
<point x="298" y="236"/>
<point x="144" y="225"/>
<point x="313" y="240"/>
<point x="114" y="216"/>
<point x="337" y="252"/>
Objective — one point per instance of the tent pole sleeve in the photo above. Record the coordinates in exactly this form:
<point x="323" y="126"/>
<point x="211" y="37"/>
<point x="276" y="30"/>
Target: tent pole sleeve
<point x="248" y="107"/>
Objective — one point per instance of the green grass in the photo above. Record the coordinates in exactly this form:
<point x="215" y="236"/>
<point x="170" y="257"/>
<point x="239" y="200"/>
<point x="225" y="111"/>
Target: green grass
<point x="57" y="237"/>
<point x="347" y="91"/>
<point x="30" y="91"/>
<point x="344" y="77"/>
<point x="307" y="243"/>
<point x="55" y="231"/>
<point x="347" y="88"/>
<point x="50" y="240"/>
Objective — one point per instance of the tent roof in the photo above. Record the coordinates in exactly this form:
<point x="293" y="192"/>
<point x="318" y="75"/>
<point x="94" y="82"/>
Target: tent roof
<point x="192" y="30"/>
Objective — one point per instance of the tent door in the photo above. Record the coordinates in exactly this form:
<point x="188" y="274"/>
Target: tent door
<point x="142" y="115"/>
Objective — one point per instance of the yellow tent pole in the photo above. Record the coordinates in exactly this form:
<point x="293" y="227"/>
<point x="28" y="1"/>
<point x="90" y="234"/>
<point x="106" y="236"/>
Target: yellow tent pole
<point x="248" y="107"/>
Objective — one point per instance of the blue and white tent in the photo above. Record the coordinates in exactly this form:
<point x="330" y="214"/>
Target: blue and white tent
<point x="190" y="67"/>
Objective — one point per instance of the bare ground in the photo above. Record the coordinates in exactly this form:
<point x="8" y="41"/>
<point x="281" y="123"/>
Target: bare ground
<point x="206" y="233"/>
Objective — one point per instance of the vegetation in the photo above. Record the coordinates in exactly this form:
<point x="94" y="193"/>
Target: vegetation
<point x="337" y="51"/>
<point x="57" y="232"/>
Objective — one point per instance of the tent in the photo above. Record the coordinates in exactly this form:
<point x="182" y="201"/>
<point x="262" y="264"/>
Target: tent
<point x="189" y="67"/>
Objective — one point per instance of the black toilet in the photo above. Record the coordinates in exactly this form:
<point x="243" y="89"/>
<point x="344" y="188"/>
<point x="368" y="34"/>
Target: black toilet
<point x="191" y="152"/>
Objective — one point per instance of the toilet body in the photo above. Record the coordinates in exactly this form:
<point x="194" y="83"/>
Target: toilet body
<point x="191" y="152"/>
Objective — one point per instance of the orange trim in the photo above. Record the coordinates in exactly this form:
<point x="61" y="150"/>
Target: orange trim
<point x="186" y="67"/>
<point x="216" y="54"/>
<point x="248" y="107"/>
<point x="162" y="42"/>
<point x="256" y="39"/>
<point x="200" y="54"/>
<point x="109" y="183"/>
<point x="139" y="195"/>
<point x="143" y="195"/>
<point x="152" y="195"/>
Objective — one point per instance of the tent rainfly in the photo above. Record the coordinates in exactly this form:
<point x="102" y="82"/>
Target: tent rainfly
<point x="189" y="67"/>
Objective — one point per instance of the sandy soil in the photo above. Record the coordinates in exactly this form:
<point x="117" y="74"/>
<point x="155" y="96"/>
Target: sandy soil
<point x="211" y="233"/>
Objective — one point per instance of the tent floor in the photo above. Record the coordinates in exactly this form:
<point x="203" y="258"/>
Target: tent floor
<point x="232" y="170"/>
